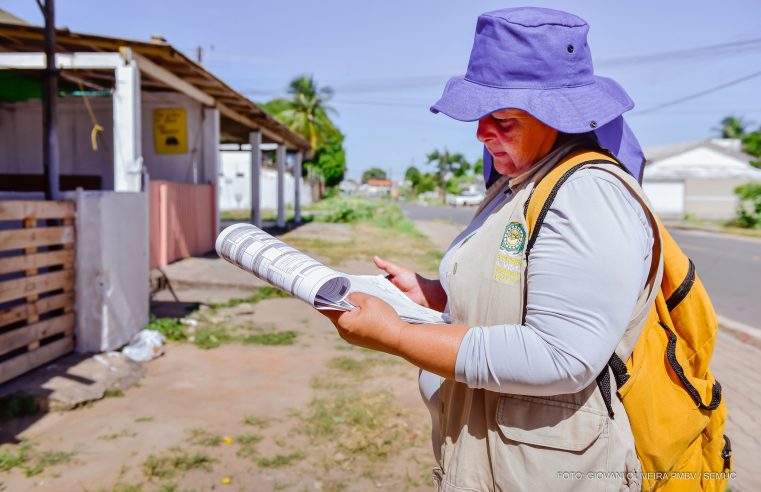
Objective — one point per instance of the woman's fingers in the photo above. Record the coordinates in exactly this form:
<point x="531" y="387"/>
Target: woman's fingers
<point x="387" y="266"/>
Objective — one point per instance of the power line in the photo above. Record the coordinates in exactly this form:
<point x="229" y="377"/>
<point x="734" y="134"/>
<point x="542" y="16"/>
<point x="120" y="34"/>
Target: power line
<point x="698" y="94"/>
<point x="734" y="47"/>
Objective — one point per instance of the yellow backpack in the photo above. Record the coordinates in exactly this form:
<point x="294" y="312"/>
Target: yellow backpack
<point x="672" y="400"/>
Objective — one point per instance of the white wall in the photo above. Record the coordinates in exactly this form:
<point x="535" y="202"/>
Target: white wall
<point x="235" y="184"/>
<point x="21" y="138"/>
<point x="112" y="268"/>
<point x="184" y="168"/>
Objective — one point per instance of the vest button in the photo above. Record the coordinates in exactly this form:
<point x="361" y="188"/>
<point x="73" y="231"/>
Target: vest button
<point x="593" y="124"/>
<point x="570" y="48"/>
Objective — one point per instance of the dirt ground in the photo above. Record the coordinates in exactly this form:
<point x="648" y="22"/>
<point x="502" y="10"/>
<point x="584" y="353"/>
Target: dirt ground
<point x="309" y="413"/>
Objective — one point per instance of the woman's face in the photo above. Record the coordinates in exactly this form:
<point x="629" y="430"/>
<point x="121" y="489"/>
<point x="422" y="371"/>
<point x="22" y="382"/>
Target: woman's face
<point x="515" y="139"/>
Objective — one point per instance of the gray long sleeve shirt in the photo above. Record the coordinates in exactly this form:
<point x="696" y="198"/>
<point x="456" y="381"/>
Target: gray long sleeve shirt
<point x="588" y="266"/>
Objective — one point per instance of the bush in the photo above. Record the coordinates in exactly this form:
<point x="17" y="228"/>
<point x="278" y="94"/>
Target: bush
<point x="749" y="208"/>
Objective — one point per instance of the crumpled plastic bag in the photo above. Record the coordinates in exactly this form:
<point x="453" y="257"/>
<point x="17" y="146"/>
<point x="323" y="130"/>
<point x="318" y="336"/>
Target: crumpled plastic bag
<point x="145" y="345"/>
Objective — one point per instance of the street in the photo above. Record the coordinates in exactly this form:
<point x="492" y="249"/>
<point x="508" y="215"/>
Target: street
<point x="729" y="266"/>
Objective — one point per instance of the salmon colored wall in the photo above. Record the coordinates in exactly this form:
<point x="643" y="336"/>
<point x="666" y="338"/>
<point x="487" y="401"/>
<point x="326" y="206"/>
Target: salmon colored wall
<point x="182" y="221"/>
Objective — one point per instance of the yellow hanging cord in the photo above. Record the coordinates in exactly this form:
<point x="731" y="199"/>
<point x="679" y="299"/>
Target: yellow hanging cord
<point x="95" y="125"/>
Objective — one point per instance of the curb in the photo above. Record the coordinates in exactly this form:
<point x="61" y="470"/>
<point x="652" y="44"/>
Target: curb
<point x="742" y="332"/>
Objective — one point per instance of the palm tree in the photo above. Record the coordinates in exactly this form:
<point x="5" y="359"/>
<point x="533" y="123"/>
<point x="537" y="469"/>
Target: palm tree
<point x="732" y="127"/>
<point x="306" y="112"/>
<point x="447" y="163"/>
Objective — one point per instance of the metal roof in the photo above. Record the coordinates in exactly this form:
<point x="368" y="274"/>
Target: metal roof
<point x="239" y="115"/>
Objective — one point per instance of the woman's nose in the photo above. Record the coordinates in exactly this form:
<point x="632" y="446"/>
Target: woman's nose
<point x="485" y="131"/>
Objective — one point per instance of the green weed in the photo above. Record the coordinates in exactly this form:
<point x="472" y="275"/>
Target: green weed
<point x="201" y="437"/>
<point x="271" y="338"/>
<point x="176" y="461"/>
<point x="280" y="460"/>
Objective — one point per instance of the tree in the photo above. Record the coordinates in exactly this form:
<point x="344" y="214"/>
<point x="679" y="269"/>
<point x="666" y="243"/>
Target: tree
<point x="478" y="167"/>
<point x="735" y="127"/>
<point x="732" y="127"/>
<point x="330" y="160"/>
<point x="447" y="163"/>
<point x="306" y="113"/>
<point x="413" y="175"/>
<point x="373" y="173"/>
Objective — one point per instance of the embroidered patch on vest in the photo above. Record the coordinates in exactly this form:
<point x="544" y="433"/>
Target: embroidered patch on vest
<point x="514" y="238"/>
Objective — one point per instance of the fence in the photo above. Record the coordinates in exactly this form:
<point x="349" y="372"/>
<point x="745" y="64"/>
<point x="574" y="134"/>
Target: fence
<point x="36" y="284"/>
<point x="183" y="221"/>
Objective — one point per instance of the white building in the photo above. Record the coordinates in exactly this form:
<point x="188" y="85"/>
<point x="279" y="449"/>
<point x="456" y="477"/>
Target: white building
<point x="234" y="180"/>
<point x="697" y="178"/>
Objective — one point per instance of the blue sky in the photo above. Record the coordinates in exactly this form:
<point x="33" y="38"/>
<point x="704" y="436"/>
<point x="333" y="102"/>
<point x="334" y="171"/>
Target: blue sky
<point x="388" y="61"/>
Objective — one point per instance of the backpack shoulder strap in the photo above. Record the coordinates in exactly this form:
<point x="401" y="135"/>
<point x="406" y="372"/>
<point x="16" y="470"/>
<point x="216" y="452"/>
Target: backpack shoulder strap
<point x="547" y="188"/>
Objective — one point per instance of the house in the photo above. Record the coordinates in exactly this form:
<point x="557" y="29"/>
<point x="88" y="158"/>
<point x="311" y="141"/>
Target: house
<point x="697" y="178"/>
<point x="138" y="133"/>
<point x="376" y="187"/>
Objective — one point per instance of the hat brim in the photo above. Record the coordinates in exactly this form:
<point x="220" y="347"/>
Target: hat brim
<point x="569" y="110"/>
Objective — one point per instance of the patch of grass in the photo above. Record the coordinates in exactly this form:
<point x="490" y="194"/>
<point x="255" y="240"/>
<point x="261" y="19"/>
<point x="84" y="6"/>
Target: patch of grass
<point x="116" y="393"/>
<point x="17" y="404"/>
<point x="33" y="463"/>
<point x="118" y="435"/>
<point x="259" y="294"/>
<point x="271" y="338"/>
<point x="280" y="460"/>
<point x="144" y="419"/>
<point x="126" y="487"/>
<point x="201" y="437"/>
<point x="171" y="328"/>
<point x="357" y="423"/>
<point x="14" y="456"/>
<point x="247" y="445"/>
<point x="175" y="462"/>
<point x="209" y="337"/>
<point x="256" y="421"/>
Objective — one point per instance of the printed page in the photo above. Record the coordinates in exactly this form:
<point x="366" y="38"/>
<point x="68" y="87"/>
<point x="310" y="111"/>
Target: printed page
<point x="283" y="266"/>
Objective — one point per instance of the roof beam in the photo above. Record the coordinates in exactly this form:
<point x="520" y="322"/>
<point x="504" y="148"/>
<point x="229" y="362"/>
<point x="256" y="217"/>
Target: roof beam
<point x="166" y="77"/>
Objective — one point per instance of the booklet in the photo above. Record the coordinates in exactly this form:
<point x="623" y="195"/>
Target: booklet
<point x="250" y="248"/>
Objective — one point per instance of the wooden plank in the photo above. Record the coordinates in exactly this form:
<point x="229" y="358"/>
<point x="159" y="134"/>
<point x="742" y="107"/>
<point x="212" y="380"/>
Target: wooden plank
<point x="28" y="361"/>
<point x="21" y="263"/>
<point x="21" y="337"/>
<point x="35" y="209"/>
<point x="15" y="314"/>
<point x="22" y="287"/>
<point x="39" y="236"/>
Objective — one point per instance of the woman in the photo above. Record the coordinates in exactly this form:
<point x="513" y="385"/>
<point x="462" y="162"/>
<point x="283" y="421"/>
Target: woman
<point x="512" y="383"/>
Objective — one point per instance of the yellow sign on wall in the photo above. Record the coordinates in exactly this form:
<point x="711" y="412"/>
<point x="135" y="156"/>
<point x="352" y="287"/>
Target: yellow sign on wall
<point x="170" y="131"/>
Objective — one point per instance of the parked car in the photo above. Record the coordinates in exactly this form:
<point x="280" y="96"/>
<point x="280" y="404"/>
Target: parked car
<point x="465" y="199"/>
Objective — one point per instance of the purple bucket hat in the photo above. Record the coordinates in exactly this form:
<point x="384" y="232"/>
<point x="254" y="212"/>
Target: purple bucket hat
<point x="538" y="60"/>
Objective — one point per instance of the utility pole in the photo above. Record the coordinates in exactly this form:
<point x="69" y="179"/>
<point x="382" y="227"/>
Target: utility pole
<point x="50" y="163"/>
<point x="199" y="55"/>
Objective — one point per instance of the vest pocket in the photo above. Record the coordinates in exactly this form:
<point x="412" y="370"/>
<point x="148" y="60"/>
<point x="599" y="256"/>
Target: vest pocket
<point x="549" y="423"/>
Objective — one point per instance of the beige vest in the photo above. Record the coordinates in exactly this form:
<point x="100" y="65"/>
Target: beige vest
<point x="504" y="442"/>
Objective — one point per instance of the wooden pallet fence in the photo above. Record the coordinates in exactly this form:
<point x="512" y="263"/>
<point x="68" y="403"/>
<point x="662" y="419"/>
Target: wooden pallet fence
<point x="36" y="284"/>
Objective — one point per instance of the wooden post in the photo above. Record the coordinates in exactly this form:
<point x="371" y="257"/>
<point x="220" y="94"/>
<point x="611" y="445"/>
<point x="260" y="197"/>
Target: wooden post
<point x="297" y="187"/>
<point x="255" y="139"/>
<point x="211" y="138"/>
<point x="280" y="157"/>
<point x="50" y="163"/>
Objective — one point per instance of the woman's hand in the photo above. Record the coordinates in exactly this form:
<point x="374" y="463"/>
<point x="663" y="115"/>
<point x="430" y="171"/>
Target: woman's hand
<point x="420" y="290"/>
<point x="372" y="324"/>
